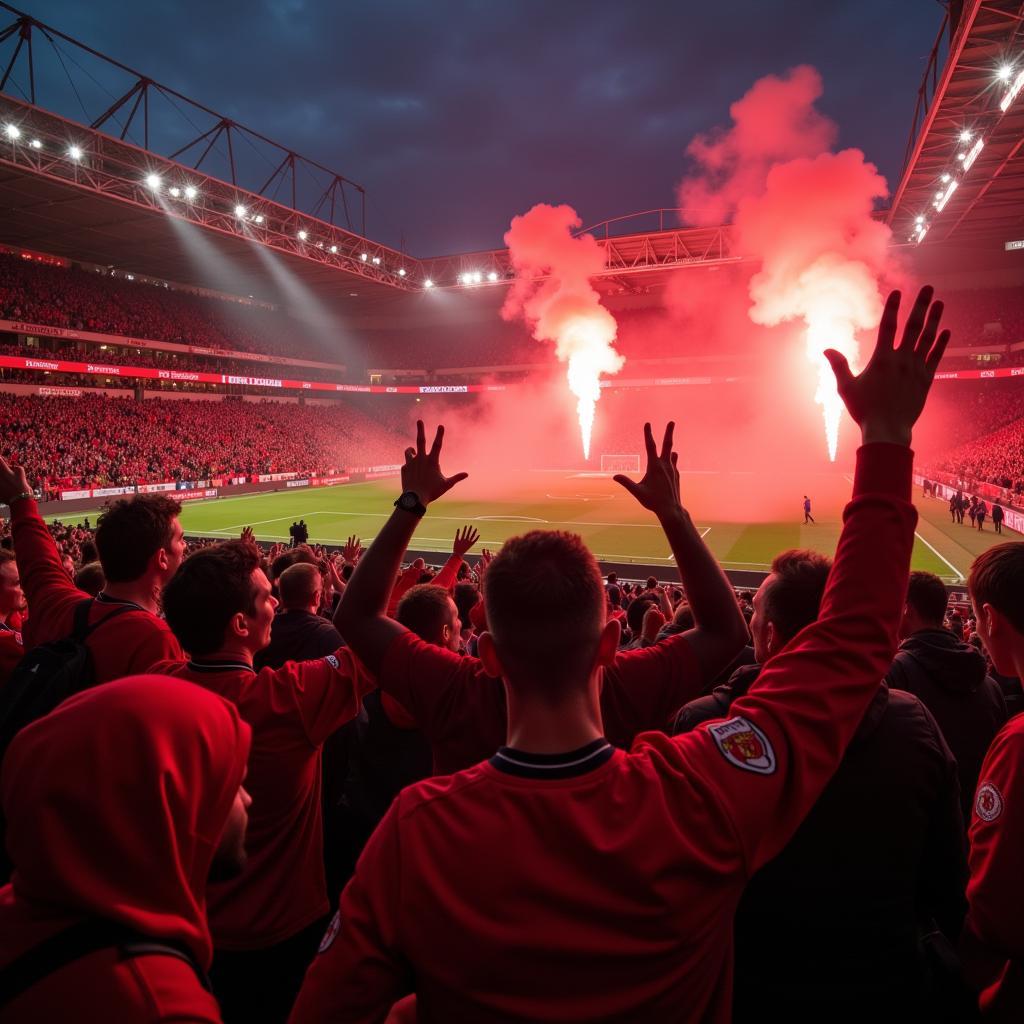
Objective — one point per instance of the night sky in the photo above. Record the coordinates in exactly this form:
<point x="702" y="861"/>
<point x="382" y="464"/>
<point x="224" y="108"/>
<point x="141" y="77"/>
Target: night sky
<point x="457" y="115"/>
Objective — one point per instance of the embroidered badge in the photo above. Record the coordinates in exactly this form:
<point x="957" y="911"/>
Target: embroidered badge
<point x="331" y="934"/>
<point x="989" y="803"/>
<point x="744" y="745"/>
<point x="332" y="661"/>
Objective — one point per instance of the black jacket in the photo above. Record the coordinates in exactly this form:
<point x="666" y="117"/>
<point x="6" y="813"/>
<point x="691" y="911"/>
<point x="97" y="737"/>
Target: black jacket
<point x="829" y="930"/>
<point x="949" y="678"/>
<point x="298" y="636"/>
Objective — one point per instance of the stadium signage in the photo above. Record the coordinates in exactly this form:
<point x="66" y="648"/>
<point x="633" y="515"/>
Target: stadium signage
<point x="72" y="495"/>
<point x="207" y="492"/>
<point x="259" y="382"/>
<point x="297" y="483"/>
<point x="61" y="392"/>
<point x="40" y="364"/>
<point x="443" y="389"/>
<point x="109" y="371"/>
<point x="156" y="488"/>
<point x="1017" y="244"/>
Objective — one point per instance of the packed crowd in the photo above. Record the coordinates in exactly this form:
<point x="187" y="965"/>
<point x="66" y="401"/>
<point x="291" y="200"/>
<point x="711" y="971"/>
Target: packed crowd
<point x="93" y="441"/>
<point x="514" y="813"/>
<point x="996" y="458"/>
<point x="89" y="301"/>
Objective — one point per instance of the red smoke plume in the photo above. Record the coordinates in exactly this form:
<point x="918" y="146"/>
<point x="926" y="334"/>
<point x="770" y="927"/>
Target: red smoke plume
<point x="552" y="292"/>
<point x="803" y="212"/>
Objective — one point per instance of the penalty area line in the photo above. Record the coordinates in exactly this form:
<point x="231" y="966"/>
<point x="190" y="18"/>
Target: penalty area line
<point x="935" y="551"/>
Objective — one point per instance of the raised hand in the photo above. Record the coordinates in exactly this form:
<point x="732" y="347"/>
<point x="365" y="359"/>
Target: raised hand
<point x="659" y="488"/>
<point x="886" y="399"/>
<point x="464" y="540"/>
<point x="352" y="550"/>
<point x="422" y="471"/>
<point x="248" y="537"/>
<point x="12" y="481"/>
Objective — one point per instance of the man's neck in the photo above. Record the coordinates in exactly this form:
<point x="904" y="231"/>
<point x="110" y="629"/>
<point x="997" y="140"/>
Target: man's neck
<point x="144" y="592"/>
<point x="230" y="652"/>
<point x="538" y="727"/>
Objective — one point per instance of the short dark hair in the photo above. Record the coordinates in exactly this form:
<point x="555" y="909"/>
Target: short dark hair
<point x="927" y="595"/>
<point x="613" y="578"/>
<point x="652" y="582"/>
<point x="995" y="579"/>
<point x="424" y="609"/>
<point x="793" y="599"/>
<point x="130" y="531"/>
<point x="467" y="597"/>
<point x="637" y="610"/>
<point x="614" y="595"/>
<point x="89" y="578"/>
<point x="297" y="584"/>
<point x="87" y="552"/>
<point x="545" y="603"/>
<point x="209" y="588"/>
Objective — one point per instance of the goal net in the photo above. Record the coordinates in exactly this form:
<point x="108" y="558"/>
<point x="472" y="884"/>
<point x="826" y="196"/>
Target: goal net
<point x="620" y="463"/>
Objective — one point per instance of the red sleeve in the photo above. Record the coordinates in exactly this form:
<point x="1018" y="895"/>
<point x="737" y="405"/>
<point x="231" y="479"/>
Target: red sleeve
<point x="327" y="691"/>
<point x="996" y="906"/>
<point x="643" y="688"/>
<point x="767" y="764"/>
<point x="50" y="593"/>
<point x="449" y="573"/>
<point x="405" y="582"/>
<point x="360" y="972"/>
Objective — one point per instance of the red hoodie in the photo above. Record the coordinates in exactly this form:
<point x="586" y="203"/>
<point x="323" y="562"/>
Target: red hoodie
<point x="115" y="804"/>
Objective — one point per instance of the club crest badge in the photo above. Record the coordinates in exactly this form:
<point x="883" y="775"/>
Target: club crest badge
<point x="744" y="745"/>
<point x="331" y="934"/>
<point x="332" y="661"/>
<point x="988" y="804"/>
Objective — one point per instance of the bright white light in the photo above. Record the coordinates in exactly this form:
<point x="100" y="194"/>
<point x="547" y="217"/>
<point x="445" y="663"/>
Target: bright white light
<point x="153" y="181"/>
<point x="334" y="248"/>
<point x="970" y="157"/>
<point x="1005" y="72"/>
<point x="303" y="235"/>
<point x="919" y="219"/>
<point x="363" y="256"/>
<point x="258" y="218"/>
<point x="75" y="152"/>
<point x="13" y="131"/>
<point x="190" y="192"/>
<point x="466" y="278"/>
<point x="428" y="283"/>
<point x="1013" y="92"/>
<point x="492" y="276"/>
<point x="36" y="144"/>
<point x="946" y="177"/>
<point x="401" y="271"/>
<point x="965" y="136"/>
<point x="319" y="245"/>
<point x="939" y="194"/>
<point x="944" y="196"/>
<point x="175" y="191"/>
<point x="240" y="211"/>
<point x="477" y="277"/>
<point x="376" y="259"/>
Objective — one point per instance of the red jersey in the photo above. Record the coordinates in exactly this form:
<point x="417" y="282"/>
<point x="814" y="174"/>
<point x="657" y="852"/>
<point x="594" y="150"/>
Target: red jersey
<point x="291" y="710"/>
<point x="12" y="650"/>
<point x="995" y="916"/>
<point x="114" y="804"/>
<point x="128" y="645"/>
<point x="461" y="709"/>
<point x="446" y="578"/>
<point x="600" y="884"/>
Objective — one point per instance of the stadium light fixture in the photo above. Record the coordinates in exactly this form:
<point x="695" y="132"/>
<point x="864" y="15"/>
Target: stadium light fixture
<point x="492" y="276"/>
<point x="971" y="156"/>
<point x="943" y="197"/>
<point x="428" y="283"/>
<point x="190" y="192"/>
<point x="376" y="260"/>
<point x="153" y="181"/>
<point x="175" y="191"/>
<point x="477" y="277"/>
<point x="12" y="131"/>
<point x="36" y="144"/>
<point x="401" y="271"/>
<point x="965" y="136"/>
<point x="75" y="152"/>
<point x="334" y="250"/>
<point x="363" y="256"/>
<point x="240" y="211"/>
<point x="1005" y="73"/>
<point x="258" y="218"/>
<point x="303" y="235"/>
<point x="919" y="219"/>
<point x="946" y="177"/>
<point x="1013" y="92"/>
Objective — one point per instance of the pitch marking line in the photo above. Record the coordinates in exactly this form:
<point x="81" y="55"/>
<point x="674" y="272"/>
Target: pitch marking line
<point x="939" y="554"/>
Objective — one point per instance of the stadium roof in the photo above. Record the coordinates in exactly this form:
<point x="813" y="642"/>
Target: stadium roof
<point x="964" y="178"/>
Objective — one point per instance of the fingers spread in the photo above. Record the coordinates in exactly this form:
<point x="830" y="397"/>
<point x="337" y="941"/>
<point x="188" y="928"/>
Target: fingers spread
<point x="935" y="356"/>
<point x="421" y="439"/>
<point x="912" y="330"/>
<point x="666" y="444"/>
<point x="435" y="448"/>
<point x="890" y="317"/>
<point x="931" y="328"/>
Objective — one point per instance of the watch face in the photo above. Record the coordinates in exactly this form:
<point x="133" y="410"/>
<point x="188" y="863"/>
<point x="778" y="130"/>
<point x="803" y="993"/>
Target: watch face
<point x="409" y="500"/>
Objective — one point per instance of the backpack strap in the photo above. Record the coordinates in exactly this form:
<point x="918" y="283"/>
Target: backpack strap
<point x="82" y="629"/>
<point x="77" y="942"/>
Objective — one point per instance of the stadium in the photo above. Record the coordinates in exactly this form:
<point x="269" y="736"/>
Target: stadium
<point x="221" y="372"/>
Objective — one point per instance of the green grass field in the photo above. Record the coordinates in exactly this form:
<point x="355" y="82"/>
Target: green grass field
<point x="613" y="525"/>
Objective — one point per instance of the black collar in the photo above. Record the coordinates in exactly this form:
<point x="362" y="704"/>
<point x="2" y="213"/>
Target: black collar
<point x="553" y="766"/>
<point x="195" y="665"/>
<point x="102" y="598"/>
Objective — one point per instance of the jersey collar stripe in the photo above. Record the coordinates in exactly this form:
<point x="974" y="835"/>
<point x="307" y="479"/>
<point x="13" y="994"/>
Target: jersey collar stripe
<point x="553" y="766"/>
<point x="220" y="666"/>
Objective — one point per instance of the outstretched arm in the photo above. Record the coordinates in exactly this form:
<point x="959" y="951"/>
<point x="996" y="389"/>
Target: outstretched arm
<point x="719" y="627"/>
<point x="361" y="617"/>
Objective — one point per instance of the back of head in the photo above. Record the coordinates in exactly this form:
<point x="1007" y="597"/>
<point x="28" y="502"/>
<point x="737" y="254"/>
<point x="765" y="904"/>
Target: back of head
<point x="637" y="610"/>
<point x="90" y="578"/>
<point x="927" y="598"/>
<point x="996" y="579"/>
<point x="467" y="597"/>
<point x="300" y="586"/>
<point x="210" y="587"/>
<point x="115" y="803"/>
<point x="793" y="598"/>
<point x="545" y="605"/>
<point x="425" y="610"/>
<point x="130" y="531"/>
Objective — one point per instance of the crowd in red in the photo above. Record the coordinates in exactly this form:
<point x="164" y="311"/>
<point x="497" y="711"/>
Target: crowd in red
<point x="94" y="441"/>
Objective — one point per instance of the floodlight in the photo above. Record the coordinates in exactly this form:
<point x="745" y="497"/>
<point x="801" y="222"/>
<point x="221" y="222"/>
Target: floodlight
<point x="303" y="235"/>
<point x="477" y="277"/>
<point x="965" y="136"/>
<point x="1004" y="73"/>
<point x="334" y="248"/>
<point x="36" y="144"/>
<point x="258" y="218"/>
<point x="376" y="259"/>
<point x="492" y="276"/>
<point x="240" y="211"/>
<point x="428" y="283"/>
<point x="401" y="271"/>
<point x="946" y="177"/>
<point x="153" y="181"/>
<point x="363" y="257"/>
<point x="13" y="131"/>
<point x="75" y="152"/>
<point x="175" y="191"/>
<point x="190" y="192"/>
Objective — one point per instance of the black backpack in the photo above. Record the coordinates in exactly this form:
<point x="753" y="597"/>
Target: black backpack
<point x="46" y="676"/>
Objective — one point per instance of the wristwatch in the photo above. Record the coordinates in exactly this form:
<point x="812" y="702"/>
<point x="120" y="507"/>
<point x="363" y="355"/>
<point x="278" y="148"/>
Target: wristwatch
<point x="409" y="501"/>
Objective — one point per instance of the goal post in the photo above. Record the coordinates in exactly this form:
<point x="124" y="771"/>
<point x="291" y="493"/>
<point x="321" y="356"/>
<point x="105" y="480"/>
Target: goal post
<point x="621" y="463"/>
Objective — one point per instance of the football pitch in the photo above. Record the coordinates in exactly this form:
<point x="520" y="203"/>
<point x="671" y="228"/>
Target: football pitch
<point x="612" y="524"/>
